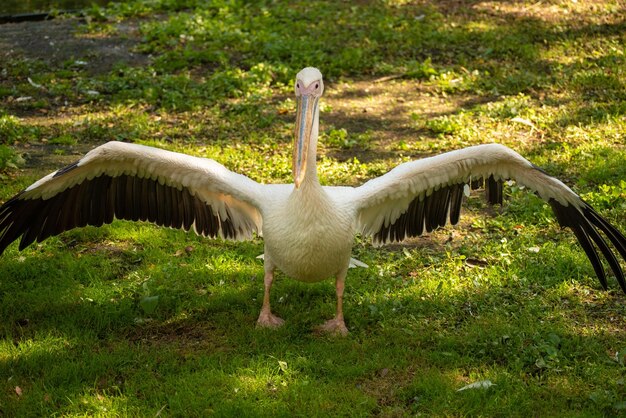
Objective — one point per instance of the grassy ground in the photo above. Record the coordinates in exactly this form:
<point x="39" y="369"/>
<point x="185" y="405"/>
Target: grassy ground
<point x="130" y="319"/>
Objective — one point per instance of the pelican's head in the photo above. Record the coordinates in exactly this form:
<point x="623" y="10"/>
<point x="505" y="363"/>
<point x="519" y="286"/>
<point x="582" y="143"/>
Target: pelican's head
<point x="309" y="87"/>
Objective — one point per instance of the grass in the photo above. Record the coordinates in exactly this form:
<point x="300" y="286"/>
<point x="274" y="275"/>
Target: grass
<point x="130" y="319"/>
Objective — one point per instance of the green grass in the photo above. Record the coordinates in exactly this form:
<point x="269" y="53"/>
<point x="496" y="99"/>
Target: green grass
<point x="134" y="320"/>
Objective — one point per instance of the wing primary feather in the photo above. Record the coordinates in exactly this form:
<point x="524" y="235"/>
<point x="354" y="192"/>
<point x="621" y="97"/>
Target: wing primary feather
<point x="145" y="199"/>
<point x="124" y="203"/>
<point x="141" y="199"/>
<point x="159" y="202"/>
<point x="433" y="214"/>
<point x="128" y="200"/>
<point x="152" y="200"/>
<point x="430" y="212"/>
<point x="55" y="214"/>
<point x="85" y="204"/>
<point x="193" y="214"/>
<point x="179" y="208"/>
<point x="109" y="200"/>
<point x="144" y="207"/>
<point x="428" y="209"/>
<point x="231" y="226"/>
<point x="412" y="226"/>
<point x="174" y="202"/>
<point x="608" y="254"/>
<point x="419" y="216"/>
<point x="133" y="195"/>
<point x="167" y="206"/>
<point x="591" y="252"/>
<point x="200" y="216"/>
<point x="215" y="223"/>
<point x="443" y="206"/>
<point x="78" y="211"/>
<point x="207" y="215"/>
<point x="616" y="237"/>
<point x="136" y="197"/>
<point x="121" y="206"/>
<point x="98" y="189"/>
<point x="93" y="199"/>
<point x="494" y="191"/>
<point x="228" y="230"/>
<point x="399" y="228"/>
<point x="379" y="236"/>
<point x="67" y="219"/>
<point x="120" y="192"/>
<point x="136" y="194"/>
<point x="35" y="222"/>
<point x="209" y="221"/>
<point x="440" y="207"/>
<point x="456" y="201"/>
<point x="7" y="230"/>
<point x="187" y="210"/>
<point x="583" y="224"/>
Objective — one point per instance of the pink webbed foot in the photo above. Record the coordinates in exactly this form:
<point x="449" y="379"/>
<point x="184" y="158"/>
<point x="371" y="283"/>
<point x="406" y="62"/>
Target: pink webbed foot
<point x="268" y="320"/>
<point x="335" y="327"/>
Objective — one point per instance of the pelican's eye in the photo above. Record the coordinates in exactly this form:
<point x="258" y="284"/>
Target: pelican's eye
<point x="317" y="86"/>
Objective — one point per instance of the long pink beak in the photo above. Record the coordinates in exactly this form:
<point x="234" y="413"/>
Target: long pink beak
<point x="304" y="126"/>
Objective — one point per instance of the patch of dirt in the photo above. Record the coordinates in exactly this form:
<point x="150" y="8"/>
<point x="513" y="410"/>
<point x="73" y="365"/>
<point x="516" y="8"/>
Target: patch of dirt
<point x="186" y="336"/>
<point x="45" y="157"/>
<point x="387" y="109"/>
<point x="385" y="384"/>
<point x="384" y="106"/>
<point x="61" y="40"/>
<point x="554" y="12"/>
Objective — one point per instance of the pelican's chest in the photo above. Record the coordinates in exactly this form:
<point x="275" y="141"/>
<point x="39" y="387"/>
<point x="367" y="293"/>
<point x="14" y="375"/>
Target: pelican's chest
<point x="308" y="237"/>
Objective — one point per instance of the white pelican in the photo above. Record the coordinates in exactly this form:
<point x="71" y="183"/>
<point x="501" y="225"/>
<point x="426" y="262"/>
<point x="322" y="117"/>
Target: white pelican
<point x="308" y="229"/>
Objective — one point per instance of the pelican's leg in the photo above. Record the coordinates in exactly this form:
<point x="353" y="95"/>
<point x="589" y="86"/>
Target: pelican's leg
<point x="337" y="325"/>
<point x="266" y="318"/>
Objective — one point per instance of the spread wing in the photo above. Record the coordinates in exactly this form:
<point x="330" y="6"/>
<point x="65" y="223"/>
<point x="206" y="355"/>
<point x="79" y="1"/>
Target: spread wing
<point x="135" y="182"/>
<point x="422" y="195"/>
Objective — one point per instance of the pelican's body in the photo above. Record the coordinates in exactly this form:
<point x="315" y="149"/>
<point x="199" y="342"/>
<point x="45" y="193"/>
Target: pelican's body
<point x="322" y="247"/>
<point x="308" y="229"/>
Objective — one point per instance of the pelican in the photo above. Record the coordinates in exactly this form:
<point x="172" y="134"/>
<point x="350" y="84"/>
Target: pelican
<point x="308" y="229"/>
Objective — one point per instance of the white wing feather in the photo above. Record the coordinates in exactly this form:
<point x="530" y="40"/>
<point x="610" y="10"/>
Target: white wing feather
<point x="204" y="178"/>
<point x="381" y="201"/>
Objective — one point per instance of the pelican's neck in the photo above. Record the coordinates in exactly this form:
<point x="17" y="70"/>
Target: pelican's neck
<point x="311" y="167"/>
<point x="310" y="179"/>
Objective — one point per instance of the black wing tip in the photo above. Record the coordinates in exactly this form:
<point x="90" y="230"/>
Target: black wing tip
<point x="585" y="222"/>
<point x="494" y="189"/>
<point x="495" y="193"/>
